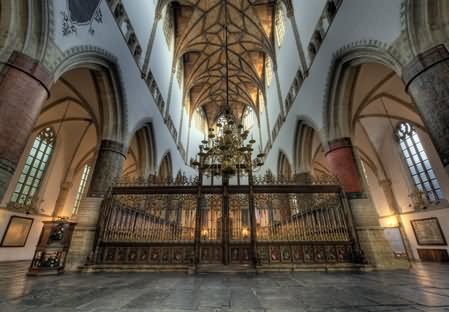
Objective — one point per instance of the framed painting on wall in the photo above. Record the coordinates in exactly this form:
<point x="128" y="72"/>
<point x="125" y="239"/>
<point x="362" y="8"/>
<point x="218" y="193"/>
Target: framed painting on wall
<point x="428" y="232"/>
<point x="17" y="232"/>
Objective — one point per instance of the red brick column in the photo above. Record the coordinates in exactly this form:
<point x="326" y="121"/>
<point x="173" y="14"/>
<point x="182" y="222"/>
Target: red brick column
<point x="372" y="246"/>
<point x="343" y="164"/>
<point x="24" y="86"/>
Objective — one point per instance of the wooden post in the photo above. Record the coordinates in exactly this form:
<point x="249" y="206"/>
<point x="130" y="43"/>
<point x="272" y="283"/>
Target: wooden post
<point x="198" y="218"/>
<point x="225" y="220"/>
<point x="252" y="212"/>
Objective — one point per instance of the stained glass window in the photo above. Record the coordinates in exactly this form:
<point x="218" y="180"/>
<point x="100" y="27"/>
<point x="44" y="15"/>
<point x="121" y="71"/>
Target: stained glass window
<point x="34" y="170"/>
<point x="81" y="188"/>
<point x="417" y="162"/>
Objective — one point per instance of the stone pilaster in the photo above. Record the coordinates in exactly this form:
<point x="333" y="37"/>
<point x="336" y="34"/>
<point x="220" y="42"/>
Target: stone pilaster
<point x="108" y="167"/>
<point x="345" y="165"/>
<point x="427" y="80"/>
<point x="24" y="86"/>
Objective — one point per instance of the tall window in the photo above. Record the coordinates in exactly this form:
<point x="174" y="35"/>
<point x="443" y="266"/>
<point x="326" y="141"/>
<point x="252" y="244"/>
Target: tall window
<point x="417" y="162"/>
<point x="248" y="118"/>
<point x="279" y="25"/>
<point x="268" y="70"/>
<point x="81" y="188"/>
<point x="34" y="169"/>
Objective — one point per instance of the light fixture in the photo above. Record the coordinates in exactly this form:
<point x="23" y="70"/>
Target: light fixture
<point x="227" y="151"/>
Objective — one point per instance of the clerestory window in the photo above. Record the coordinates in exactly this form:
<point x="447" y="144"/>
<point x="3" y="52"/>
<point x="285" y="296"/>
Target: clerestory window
<point x="417" y="162"/>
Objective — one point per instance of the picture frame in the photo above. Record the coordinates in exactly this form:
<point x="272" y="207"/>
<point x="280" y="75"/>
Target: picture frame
<point x="17" y="232"/>
<point x="428" y="232"/>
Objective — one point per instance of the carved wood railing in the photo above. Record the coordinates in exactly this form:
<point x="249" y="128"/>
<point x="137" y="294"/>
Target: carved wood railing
<point x="181" y="223"/>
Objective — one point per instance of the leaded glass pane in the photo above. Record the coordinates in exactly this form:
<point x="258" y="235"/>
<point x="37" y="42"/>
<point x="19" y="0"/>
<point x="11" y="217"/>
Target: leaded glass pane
<point x="35" y="166"/>
<point x="417" y="161"/>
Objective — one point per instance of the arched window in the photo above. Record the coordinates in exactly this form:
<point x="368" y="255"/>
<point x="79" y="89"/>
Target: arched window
<point x="34" y="169"/>
<point x="268" y="70"/>
<point x="279" y="25"/>
<point x="81" y="188"/>
<point x="417" y="162"/>
<point x="248" y="118"/>
<point x="169" y="29"/>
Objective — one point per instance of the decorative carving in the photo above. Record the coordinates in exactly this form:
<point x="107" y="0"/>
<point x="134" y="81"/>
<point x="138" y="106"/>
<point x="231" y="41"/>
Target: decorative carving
<point x="81" y="13"/>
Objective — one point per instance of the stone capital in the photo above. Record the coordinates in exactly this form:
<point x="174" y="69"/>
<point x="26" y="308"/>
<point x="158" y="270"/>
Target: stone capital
<point x="32" y="68"/>
<point x="423" y="62"/>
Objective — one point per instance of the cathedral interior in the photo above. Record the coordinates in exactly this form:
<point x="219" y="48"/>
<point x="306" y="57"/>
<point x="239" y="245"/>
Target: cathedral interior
<point x="224" y="155"/>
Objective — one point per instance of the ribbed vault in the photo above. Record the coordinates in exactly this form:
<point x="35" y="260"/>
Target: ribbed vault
<point x="200" y="44"/>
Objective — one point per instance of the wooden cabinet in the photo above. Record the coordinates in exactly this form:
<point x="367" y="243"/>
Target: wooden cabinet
<point x="51" y="251"/>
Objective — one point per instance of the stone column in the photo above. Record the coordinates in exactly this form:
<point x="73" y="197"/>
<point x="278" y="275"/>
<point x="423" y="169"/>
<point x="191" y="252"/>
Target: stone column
<point x="24" y="87"/>
<point x="345" y="165"/>
<point x="427" y="80"/>
<point x="108" y="167"/>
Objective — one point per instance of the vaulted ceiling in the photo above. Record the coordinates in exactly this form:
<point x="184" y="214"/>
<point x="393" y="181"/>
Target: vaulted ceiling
<point x="200" y="43"/>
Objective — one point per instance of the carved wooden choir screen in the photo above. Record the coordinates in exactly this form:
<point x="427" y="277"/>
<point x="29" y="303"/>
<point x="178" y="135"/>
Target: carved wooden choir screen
<point x="186" y="225"/>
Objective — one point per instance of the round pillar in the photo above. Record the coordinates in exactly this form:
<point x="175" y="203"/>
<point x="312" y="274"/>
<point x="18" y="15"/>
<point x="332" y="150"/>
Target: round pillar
<point x="108" y="167"/>
<point x="24" y="87"/>
<point x="427" y="80"/>
<point x="345" y="164"/>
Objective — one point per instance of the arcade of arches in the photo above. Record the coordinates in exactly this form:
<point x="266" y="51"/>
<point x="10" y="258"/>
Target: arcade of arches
<point x="344" y="134"/>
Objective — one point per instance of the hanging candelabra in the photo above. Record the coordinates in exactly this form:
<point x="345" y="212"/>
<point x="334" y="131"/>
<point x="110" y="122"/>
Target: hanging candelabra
<point x="228" y="150"/>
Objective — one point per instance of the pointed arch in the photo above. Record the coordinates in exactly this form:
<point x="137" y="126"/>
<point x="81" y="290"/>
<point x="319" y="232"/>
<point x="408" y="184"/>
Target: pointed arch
<point x="341" y="80"/>
<point x="166" y="167"/>
<point x="108" y="79"/>
<point x="284" y="167"/>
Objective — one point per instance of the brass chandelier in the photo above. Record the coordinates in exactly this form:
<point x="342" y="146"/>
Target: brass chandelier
<point x="228" y="151"/>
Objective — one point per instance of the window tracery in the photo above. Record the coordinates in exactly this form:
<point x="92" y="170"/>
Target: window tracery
<point x="82" y="188"/>
<point x="418" y="163"/>
<point x="34" y="169"/>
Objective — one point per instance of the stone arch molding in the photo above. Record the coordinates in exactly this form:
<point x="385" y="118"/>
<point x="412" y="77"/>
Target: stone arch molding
<point x="425" y="24"/>
<point x="146" y="127"/>
<point x="111" y="87"/>
<point x="342" y="73"/>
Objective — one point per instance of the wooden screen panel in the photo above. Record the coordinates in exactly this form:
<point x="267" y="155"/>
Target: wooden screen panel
<point x="433" y="255"/>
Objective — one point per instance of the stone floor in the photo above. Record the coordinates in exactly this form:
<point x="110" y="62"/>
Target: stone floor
<point x="424" y="288"/>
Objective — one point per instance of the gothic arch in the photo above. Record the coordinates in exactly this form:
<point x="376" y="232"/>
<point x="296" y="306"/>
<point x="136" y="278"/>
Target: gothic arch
<point x="145" y="148"/>
<point x="308" y="148"/>
<point x="284" y="167"/>
<point x="343" y="74"/>
<point x="110" y="87"/>
<point x="30" y="37"/>
<point x="166" y="167"/>
<point x="426" y="24"/>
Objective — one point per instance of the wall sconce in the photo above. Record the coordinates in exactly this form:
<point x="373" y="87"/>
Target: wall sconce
<point x="392" y="221"/>
<point x="245" y="233"/>
<point x="204" y="233"/>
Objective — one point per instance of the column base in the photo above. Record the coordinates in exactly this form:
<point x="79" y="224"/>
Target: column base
<point x="82" y="245"/>
<point x="377" y="250"/>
